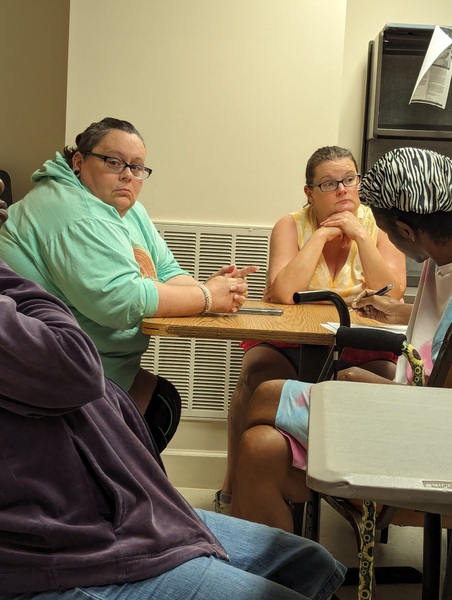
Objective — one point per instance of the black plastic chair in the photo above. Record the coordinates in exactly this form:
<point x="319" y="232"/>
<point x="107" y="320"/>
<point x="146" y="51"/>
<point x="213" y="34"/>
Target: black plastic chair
<point x="7" y="194"/>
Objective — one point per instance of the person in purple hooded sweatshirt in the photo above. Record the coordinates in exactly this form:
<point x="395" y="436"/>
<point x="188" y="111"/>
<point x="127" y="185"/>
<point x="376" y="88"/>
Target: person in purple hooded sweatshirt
<point x="86" y="509"/>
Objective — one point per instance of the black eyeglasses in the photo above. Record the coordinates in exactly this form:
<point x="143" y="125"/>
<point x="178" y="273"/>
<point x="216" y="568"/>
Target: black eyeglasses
<point x="116" y="165"/>
<point x="331" y="186"/>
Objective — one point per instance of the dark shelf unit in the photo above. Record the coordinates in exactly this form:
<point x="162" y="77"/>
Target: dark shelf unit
<point x="394" y="60"/>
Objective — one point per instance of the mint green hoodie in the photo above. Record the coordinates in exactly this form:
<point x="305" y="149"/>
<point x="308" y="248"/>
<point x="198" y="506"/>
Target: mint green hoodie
<point x="80" y="249"/>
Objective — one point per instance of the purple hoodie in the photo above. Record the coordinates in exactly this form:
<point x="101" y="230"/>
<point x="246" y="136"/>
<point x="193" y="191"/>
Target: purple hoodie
<point x="84" y="498"/>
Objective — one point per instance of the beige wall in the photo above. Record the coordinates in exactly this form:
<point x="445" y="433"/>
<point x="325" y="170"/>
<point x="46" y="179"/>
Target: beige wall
<point x="33" y="80"/>
<point x="232" y="96"/>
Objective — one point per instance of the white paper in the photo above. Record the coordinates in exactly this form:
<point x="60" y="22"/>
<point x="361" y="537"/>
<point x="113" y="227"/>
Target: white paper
<point x="433" y="83"/>
<point x="393" y="328"/>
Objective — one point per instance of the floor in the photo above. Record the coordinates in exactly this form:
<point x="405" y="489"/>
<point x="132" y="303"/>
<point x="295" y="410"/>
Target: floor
<point x="404" y="547"/>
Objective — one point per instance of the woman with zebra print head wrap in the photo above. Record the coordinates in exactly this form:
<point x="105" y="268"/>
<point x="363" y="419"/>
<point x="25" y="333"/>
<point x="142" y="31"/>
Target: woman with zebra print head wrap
<point x="410" y="193"/>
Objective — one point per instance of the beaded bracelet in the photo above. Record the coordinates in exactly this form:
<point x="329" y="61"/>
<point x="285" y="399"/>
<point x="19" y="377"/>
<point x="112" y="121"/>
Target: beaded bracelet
<point x="207" y="297"/>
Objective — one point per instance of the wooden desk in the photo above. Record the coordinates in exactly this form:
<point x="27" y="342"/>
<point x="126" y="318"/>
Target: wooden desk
<point x="299" y="323"/>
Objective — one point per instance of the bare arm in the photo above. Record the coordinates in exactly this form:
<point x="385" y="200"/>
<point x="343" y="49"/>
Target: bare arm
<point x="382" y="262"/>
<point x="183" y="299"/>
<point x="290" y="268"/>
<point x="181" y="295"/>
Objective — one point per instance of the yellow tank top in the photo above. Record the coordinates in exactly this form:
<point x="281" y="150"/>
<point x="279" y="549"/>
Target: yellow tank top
<point x="349" y="282"/>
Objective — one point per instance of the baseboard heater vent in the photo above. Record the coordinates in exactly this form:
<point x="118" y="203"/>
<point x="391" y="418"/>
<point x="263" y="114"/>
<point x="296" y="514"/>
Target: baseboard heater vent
<point x="206" y="371"/>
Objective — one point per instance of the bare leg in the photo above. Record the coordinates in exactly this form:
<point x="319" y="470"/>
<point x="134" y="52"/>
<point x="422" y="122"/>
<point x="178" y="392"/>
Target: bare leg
<point x="160" y="404"/>
<point x="260" y="364"/>
<point x="142" y="389"/>
<point x="384" y="368"/>
<point x="265" y="480"/>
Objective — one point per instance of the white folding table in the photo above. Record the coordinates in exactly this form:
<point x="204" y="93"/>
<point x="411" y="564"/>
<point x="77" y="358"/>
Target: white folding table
<point x="387" y="443"/>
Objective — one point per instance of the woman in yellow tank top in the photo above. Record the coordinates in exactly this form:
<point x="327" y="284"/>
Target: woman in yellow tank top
<point x="332" y="243"/>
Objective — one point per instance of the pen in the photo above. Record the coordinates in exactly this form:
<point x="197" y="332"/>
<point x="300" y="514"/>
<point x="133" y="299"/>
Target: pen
<point x="383" y="290"/>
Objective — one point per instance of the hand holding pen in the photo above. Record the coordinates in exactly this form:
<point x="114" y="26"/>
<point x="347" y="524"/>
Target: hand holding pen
<point x="368" y="294"/>
<point x="376" y="305"/>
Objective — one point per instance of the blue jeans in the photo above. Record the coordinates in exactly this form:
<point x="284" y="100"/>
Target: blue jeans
<point x="264" y="564"/>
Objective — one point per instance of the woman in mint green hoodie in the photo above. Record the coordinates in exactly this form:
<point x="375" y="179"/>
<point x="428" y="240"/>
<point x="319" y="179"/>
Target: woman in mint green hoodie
<point x="82" y="234"/>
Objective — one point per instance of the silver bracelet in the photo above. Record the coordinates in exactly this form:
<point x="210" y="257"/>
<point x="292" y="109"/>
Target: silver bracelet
<point x="207" y="297"/>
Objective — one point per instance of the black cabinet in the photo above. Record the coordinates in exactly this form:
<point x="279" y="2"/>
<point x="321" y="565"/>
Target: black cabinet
<point x="394" y="60"/>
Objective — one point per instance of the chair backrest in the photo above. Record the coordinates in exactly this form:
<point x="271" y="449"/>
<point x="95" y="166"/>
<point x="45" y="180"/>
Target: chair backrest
<point x="441" y="375"/>
<point x="7" y="194"/>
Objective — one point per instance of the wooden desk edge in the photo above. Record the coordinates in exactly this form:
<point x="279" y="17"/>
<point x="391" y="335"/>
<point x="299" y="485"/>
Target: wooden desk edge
<point x="193" y="331"/>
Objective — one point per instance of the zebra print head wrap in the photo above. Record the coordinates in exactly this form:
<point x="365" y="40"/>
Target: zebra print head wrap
<point x="411" y="180"/>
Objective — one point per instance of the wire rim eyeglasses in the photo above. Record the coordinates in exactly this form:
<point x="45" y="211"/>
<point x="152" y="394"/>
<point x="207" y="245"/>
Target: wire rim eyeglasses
<point x="117" y="165"/>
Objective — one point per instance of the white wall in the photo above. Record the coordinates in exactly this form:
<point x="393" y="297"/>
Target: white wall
<point x="232" y="96"/>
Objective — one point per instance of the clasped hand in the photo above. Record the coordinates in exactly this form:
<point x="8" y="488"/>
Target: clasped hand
<point x="231" y="281"/>
<point x="344" y="224"/>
